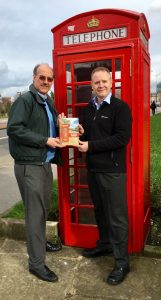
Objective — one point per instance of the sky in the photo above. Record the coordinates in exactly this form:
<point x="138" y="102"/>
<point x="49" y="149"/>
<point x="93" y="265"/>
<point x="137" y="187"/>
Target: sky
<point x="26" y="38"/>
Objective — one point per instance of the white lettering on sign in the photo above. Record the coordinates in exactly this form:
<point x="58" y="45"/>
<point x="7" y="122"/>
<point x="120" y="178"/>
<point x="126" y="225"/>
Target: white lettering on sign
<point x="95" y="36"/>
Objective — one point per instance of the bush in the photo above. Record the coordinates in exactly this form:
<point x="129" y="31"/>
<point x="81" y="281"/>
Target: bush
<point x="5" y="106"/>
<point x="53" y="214"/>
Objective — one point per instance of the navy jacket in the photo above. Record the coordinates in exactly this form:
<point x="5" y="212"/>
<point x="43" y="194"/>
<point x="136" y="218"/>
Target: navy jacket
<point x="108" y="131"/>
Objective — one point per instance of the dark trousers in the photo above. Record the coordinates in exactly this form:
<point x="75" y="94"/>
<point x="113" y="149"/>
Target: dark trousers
<point x="35" y="184"/>
<point x="108" y="192"/>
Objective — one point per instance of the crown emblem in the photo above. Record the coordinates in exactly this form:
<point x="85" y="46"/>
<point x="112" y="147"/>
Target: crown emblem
<point x="93" y="23"/>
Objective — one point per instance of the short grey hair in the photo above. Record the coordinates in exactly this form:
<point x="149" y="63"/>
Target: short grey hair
<point x="104" y="69"/>
<point x="39" y="65"/>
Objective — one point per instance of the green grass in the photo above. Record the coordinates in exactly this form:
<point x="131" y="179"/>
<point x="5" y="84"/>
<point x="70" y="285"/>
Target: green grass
<point x="155" y="178"/>
<point x="17" y="211"/>
<point x="156" y="162"/>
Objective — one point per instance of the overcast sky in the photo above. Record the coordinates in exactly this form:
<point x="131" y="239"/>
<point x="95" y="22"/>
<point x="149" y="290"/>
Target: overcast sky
<point x="26" y="38"/>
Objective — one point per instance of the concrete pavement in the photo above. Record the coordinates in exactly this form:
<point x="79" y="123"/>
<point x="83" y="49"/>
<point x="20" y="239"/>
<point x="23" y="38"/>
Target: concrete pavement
<point x="9" y="192"/>
<point x="79" y="278"/>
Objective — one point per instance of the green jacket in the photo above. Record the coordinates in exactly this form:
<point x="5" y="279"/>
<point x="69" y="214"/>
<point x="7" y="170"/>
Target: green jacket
<point x="28" y="129"/>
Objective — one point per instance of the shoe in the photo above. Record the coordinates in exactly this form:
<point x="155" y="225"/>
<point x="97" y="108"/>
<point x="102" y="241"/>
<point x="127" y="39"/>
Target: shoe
<point x="95" y="252"/>
<point x="118" y="275"/>
<point x="46" y="274"/>
<point x="53" y="247"/>
<point x="47" y="269"/>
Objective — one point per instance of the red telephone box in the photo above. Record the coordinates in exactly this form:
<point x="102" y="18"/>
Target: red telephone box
<point x="117" y="39"/>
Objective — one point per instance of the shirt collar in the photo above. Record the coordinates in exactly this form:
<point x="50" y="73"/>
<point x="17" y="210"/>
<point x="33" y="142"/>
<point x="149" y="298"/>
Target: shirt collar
<point x="107" y="100"/>
<point x="44" y="97"/>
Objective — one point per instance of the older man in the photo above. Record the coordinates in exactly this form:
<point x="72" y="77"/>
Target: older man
<point x="33" y="143"/>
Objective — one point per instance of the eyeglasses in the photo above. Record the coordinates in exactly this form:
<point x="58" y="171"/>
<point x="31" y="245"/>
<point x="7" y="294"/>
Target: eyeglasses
<point x="43" y="78"/>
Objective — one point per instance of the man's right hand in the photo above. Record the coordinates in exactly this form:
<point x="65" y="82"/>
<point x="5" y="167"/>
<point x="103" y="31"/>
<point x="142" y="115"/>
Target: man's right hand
<point x="54" y="142"/>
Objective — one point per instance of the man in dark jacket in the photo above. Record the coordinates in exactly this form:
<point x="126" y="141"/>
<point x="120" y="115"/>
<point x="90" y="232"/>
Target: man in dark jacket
<point x="153" y="107"/>
<point x="33" y="143"/>
<point x="107" y="131"/>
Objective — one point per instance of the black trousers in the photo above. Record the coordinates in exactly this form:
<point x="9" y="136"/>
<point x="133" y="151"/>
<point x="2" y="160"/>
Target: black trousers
<point x="35" y="184"/>
<point x="108" y="192"/>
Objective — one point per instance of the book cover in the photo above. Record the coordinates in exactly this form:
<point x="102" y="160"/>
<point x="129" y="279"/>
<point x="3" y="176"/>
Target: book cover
<point x="69" y="131"/>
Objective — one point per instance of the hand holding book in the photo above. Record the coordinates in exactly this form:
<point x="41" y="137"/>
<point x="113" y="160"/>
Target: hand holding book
<point x="69" y="131"/>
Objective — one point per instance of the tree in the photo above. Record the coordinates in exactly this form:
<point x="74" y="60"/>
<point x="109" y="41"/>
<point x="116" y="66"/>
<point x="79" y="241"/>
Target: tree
<point x="52" y="95"/>
<point x="5" y="106"/>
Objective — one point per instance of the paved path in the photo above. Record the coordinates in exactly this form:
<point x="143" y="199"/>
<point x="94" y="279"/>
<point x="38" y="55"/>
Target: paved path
<point x="79" y="278"/>
<point x="9" y="193"/>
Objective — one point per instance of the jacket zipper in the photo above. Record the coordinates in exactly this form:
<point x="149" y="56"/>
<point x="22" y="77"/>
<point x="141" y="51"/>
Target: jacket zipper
<point x="95" y="114"/>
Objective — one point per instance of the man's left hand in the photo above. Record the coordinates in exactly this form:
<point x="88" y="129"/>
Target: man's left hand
<point x="81" y="129"/>
<point x="83" y="146"/>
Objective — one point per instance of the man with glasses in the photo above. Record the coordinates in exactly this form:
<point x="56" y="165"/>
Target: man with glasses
<point x="34" y="145"/>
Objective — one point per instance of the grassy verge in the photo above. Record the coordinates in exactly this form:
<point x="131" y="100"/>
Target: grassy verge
<point x="17" y="211"/>
<point x="156" y="162"/>
<point x="155" y="234"/>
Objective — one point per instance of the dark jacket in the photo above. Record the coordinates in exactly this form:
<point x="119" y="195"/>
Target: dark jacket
<point x="108" y="131"/>
<point x="28" y="129"/>
<point x="153" y="105"/>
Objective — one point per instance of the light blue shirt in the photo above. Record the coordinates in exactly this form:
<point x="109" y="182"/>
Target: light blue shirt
<point x="51" y="151"/>
<point x="107" y="99"/>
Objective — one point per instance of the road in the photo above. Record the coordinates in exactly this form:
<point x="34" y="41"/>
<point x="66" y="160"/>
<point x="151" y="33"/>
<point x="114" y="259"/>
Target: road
<point x="9" y="192"/>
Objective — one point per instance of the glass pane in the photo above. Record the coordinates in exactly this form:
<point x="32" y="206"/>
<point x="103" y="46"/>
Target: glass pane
<point x="82" y="176"/>
<point x="83" y="93"/>
<point x="80" y="113"/>
<point x="71" y="153"/>
<point x="82" y="71"/>
<point x="118" y="89"/>
<point x="71" y="175"/>
<point x="86" y="216"/>
<point x="71" y="156"/>
<point x="118" y="93"/>
<point x="72" y="194"/>
<point x="81" y="158"/>
<point x="69" y="112"/>
<point x="68" y="73"/>
<point x="84" y="196"/>
<point x="69" y="95"/>
<point x="118" y="68"/>
<point x="71" y="162"/>
<point x="73" y="214"/>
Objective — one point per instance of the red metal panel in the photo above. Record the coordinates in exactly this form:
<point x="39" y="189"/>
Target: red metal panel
<point x="109" y="18"/>
<point x="132" y="50"/>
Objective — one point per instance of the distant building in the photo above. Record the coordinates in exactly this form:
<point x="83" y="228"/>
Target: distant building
<point x="156" y="97"/>
<point x="159" y="88"/>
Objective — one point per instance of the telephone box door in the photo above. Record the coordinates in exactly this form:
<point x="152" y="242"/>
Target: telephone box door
<point x="77" y="220"/>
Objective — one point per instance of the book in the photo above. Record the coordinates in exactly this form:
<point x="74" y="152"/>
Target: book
<point x="69" y="131"/>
